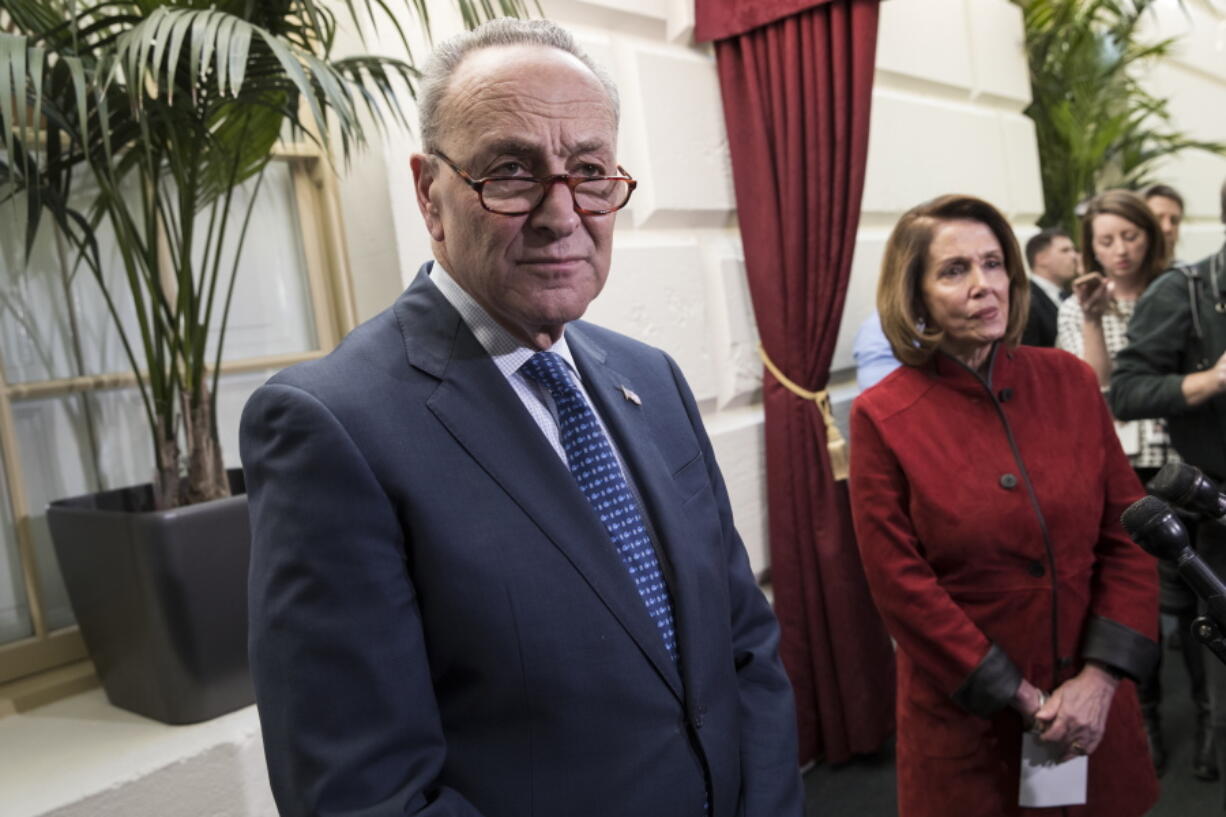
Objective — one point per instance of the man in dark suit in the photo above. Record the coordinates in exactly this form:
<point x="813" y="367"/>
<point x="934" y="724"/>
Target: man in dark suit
<point x="494" y="568"/>
<point x="1054" y="263"/>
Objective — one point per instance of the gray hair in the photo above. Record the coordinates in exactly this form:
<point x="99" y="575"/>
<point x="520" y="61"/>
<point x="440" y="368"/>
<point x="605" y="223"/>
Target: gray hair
<point x="447" y="56"/>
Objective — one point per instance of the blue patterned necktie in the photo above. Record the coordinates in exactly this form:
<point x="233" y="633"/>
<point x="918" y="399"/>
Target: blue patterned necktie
<point x="595" y="467"/>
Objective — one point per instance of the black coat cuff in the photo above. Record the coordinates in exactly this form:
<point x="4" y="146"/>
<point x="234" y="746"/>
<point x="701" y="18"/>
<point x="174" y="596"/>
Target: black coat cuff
<point x="1120" y="647"/>
<point x="991" y="686"/>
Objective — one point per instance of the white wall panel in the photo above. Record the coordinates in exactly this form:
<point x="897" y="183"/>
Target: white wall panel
<point x="678" y="137"/>
<point x="740" y="450"/>
<point x="368" y="210"/>
<point x="1020" y="155"/>
<point x="996" y="29"/>
<point x="926" y="39"/>
<point x="655" y="293"/>
<point x="641" y="19"/>
<point x="1201" y="31"/>
<point x="861" y="293"/>
<point x="1199" y="239"/>
<point x="680" y="20"/>
<point x="643" y="8"/>
<point x="1197" y="103"/>
<point x="734" y="330"/>
<point x="1194" y="85"/>
<point x="920" y="148"/>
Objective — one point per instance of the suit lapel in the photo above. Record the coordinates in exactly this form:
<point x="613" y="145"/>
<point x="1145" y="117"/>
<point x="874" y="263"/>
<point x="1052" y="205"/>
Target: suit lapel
<point x="517" y="457"/>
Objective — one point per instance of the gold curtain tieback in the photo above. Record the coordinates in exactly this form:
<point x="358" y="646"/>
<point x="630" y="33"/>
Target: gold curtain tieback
<point x="836" y="446"/>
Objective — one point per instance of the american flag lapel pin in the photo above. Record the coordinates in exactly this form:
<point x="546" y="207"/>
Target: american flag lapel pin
<point x="631" y="396"/>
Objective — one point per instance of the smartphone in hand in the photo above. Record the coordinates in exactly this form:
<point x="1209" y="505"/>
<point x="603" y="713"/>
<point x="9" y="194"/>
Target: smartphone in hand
<point x="1087" y="285"/>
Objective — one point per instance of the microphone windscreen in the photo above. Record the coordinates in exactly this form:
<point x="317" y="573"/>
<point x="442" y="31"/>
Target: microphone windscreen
<point x="1142" y="513"/>
<point x="1173" y="482"/>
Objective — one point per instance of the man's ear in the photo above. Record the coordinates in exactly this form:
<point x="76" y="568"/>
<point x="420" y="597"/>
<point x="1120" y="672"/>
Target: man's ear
<point x="424" y="178"/>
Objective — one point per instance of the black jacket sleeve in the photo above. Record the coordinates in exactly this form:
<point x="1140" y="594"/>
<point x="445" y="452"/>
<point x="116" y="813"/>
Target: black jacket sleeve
<point x="1149" y="371"/>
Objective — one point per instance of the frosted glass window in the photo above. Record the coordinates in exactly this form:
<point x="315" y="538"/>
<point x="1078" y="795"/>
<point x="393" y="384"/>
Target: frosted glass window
<point x="271" y="310"/>
<point x="15" y="620"/>
<point x="270" y="313"/>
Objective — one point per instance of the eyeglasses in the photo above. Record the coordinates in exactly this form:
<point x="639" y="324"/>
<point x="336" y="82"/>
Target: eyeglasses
<point x="520" y="195"/>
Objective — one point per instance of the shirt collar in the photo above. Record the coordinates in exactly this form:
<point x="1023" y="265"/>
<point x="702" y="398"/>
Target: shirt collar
<point x="1052" y="290"/>
<point x="506" y="350"/>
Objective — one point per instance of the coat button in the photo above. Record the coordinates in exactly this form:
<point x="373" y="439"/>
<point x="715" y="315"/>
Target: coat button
<point x="1035" y="569"/>
<point x="1005" y="395"/>
<point x="1008" y="481"/>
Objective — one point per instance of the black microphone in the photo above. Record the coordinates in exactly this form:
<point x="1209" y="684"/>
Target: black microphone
<point x="1184" y="485"/>
<point x="1152" y="525"/>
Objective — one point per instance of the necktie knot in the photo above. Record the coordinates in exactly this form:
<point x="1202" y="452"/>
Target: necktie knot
<point x="548" y="369"/>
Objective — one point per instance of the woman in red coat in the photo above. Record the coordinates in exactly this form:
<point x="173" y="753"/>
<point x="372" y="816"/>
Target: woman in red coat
<point x="987" y="484"/>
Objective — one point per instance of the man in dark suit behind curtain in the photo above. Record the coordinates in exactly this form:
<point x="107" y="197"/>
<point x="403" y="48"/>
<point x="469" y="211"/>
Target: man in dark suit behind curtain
<point x="494" y="568"/>
<point x="1054" y="263"/>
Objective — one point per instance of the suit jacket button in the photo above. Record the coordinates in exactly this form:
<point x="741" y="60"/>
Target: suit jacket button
<point x="1008" y="481"/>
<point x="1035" y="569"/>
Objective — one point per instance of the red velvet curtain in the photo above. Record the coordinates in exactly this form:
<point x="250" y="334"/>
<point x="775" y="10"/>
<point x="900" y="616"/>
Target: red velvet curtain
<point x="797" y="93"/>
<point x="718" y="19"/>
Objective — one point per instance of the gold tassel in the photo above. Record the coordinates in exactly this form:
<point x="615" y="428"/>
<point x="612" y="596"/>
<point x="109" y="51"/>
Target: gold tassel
<point x="836" y="446"/>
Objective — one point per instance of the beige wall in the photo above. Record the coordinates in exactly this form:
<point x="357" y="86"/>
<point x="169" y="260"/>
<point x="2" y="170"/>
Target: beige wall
<point x="1194" y="82"/>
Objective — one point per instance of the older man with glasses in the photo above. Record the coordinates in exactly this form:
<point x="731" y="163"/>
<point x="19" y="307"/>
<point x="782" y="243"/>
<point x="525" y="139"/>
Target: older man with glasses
<point x="494" y="568"/>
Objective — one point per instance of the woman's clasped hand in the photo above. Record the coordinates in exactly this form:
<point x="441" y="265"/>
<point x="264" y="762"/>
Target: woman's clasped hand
<point x="1074" y="716"/>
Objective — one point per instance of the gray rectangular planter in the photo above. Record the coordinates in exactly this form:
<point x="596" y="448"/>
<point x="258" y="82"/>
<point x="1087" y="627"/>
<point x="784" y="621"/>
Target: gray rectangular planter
<point x="161" y="598"/>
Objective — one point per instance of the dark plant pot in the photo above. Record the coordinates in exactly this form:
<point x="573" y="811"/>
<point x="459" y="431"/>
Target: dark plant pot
<point x="161" y="598"/>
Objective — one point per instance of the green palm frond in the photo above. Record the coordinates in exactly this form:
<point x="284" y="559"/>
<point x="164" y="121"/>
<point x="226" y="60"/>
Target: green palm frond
<point x="166" y="108"/>
<point x="1097" y="126"/>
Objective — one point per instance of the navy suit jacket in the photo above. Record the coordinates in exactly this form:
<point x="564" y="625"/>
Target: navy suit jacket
<point x="1041" y="322"/>
<point x="439" y="623"/>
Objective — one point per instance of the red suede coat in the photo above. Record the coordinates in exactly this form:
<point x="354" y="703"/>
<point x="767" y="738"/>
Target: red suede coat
<point x="988" y="519"/>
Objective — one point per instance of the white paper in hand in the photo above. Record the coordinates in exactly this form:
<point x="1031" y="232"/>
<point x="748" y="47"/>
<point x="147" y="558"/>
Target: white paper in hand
<point x="1044" y="781"/>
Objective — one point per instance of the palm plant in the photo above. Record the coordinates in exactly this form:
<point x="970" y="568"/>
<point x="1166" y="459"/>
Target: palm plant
<point x="1097" y="125"/>
<point x="162" y="110"/>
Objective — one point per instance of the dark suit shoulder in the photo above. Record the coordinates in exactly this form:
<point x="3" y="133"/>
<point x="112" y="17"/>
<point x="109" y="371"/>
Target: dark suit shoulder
<point x="1041" y="322"/>
<point x="372" y="351"/>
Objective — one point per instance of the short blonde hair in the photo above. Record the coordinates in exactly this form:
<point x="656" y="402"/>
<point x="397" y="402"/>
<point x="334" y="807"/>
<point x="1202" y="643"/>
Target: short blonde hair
<point x="900" y="299"/>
